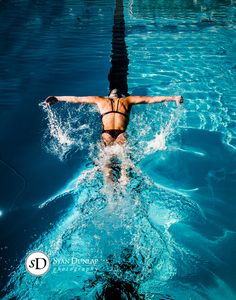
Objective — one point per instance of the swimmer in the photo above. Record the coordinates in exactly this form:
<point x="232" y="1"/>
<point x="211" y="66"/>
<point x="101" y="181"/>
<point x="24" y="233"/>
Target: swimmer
<point x="115" y="112"/>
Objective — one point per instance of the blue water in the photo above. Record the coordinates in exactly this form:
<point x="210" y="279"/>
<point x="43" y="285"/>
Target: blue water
<point x="170" y="233"/>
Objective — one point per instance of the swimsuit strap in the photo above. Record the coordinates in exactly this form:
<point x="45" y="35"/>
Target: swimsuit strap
<point x="111" y="104"/>
<point x="115" y="111"/>
<point x="118" y="101"/>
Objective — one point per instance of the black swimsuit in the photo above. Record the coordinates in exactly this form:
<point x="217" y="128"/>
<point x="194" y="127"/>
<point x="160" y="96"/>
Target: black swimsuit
<point x="114" y="132"/>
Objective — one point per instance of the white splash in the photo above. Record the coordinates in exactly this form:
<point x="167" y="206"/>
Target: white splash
<point x="159" y="142"/>
<point x="55" y="128"/>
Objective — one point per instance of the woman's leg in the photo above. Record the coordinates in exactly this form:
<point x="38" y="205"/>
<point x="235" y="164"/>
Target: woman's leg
<point x="107" y="168"/>
<point x="107" y="139"/>
<point x="122" y="140"/>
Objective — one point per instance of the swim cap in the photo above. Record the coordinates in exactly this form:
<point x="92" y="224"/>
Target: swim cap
<point x="114" y="93"/>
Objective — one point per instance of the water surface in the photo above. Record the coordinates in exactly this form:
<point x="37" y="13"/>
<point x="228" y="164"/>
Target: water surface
<point x="171" y="232"/>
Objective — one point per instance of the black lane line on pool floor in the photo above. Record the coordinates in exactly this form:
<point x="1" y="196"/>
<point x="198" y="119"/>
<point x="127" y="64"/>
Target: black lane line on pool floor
<point x="119" y="54"/>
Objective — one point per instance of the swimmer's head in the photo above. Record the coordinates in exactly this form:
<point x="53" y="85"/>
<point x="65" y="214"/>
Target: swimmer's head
<point x="115" y="93"/>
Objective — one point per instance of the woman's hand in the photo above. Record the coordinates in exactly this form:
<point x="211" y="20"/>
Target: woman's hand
<point x="179" y="100"/>
<point x="51" y="100"/>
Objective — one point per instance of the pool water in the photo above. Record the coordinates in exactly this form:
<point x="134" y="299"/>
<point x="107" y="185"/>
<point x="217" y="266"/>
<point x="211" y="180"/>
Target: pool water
<point x="170" y="232"/>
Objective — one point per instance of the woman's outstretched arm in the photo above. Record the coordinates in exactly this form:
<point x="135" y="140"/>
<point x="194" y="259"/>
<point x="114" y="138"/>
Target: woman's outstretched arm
<point x="72" y="99"/>
<point x="154" y="99"/>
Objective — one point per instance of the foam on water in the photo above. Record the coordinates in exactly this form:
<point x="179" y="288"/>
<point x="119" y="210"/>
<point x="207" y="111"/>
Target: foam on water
<point x="104" y="225"/>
